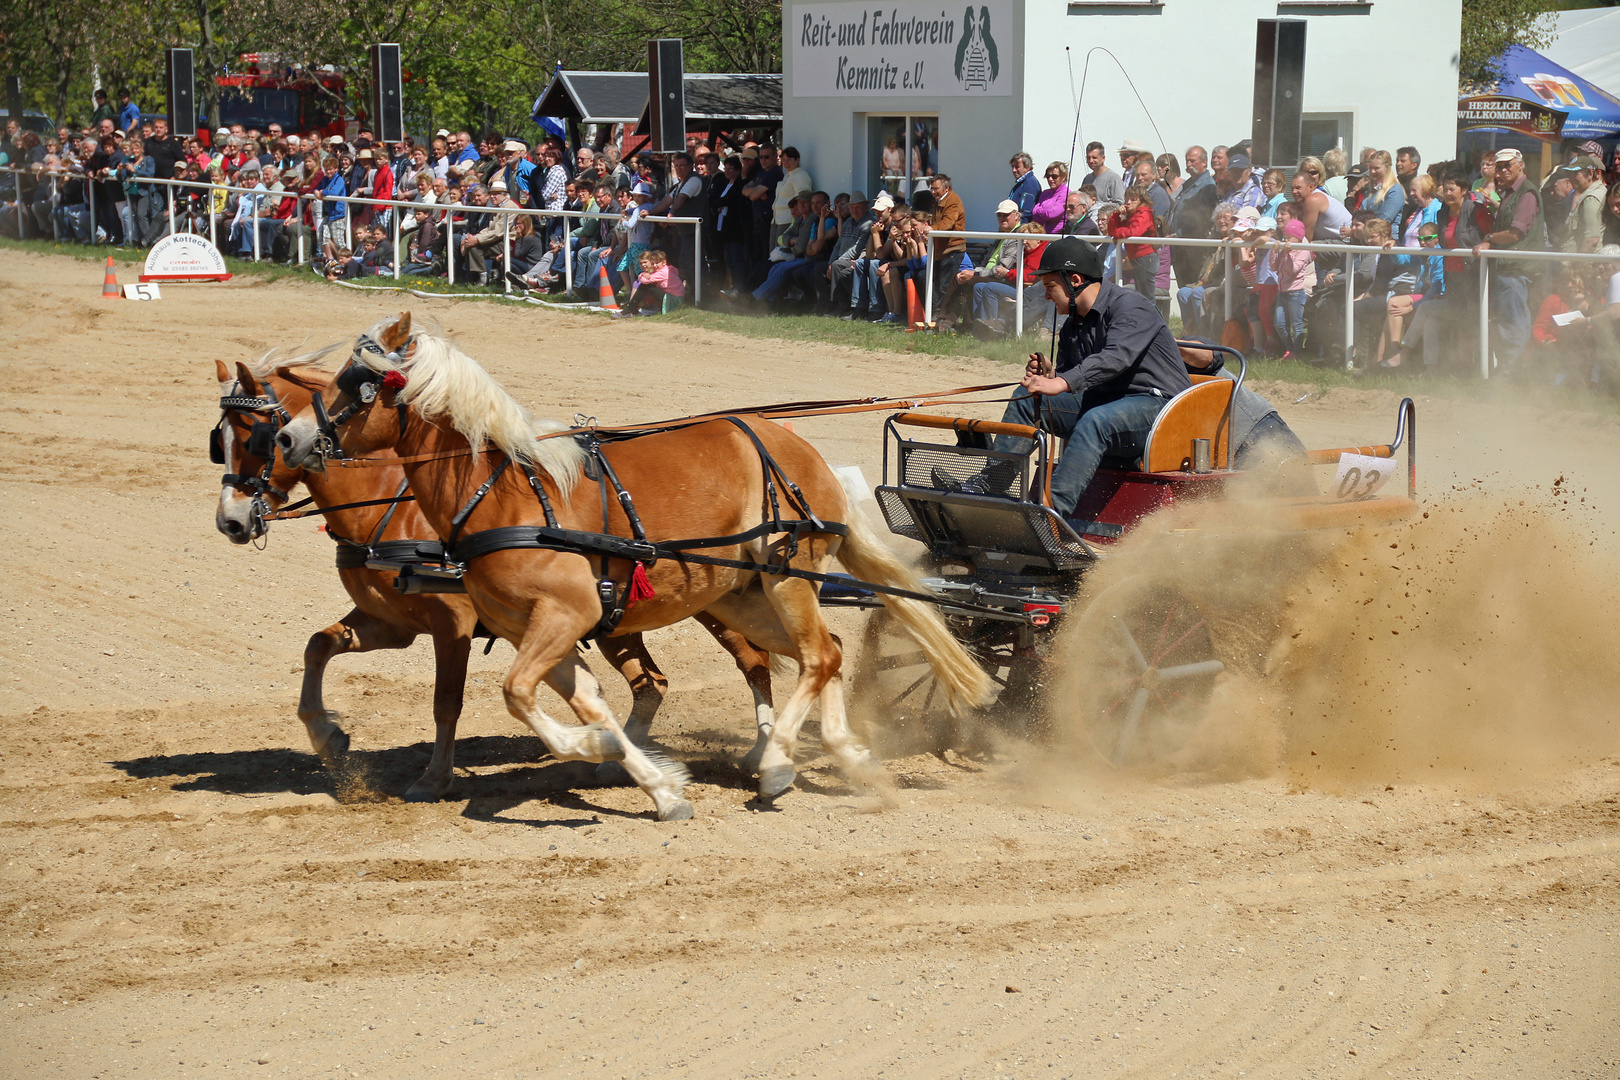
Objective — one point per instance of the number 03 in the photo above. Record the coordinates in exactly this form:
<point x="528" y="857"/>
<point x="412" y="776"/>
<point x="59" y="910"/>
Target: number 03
<point x="1355" y="485"/>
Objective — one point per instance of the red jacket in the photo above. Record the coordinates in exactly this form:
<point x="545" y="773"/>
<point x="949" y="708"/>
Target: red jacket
<point x="1139" y="223"/>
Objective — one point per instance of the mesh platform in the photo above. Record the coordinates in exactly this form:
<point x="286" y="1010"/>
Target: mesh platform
<point x="920" y="460"/>
<point x="984" y="528"/>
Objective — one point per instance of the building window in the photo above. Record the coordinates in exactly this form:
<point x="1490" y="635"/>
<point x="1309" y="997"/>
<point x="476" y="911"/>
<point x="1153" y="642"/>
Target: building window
<point x="901" y="150"/>
<point x="1321" y="132"/>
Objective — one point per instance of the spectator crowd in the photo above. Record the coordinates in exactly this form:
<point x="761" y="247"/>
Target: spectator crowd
<point x="779" y="243"/>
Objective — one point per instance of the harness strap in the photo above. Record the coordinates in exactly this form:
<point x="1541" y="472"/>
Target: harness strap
<point x="295" y="511"/>
<point x="382" y="525"/>
<point x="477" y="497"/>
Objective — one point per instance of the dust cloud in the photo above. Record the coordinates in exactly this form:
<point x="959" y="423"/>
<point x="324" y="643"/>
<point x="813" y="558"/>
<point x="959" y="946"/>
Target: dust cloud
<point x="1472" y="645"/>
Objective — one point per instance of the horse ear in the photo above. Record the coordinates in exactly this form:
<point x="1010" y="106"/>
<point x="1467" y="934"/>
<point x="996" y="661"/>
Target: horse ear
<point x="395" y="336"/>
<point x="250" y="385"/>
<point x="222" y="371"/>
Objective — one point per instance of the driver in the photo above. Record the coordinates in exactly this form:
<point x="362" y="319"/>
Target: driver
<point x="1117" y="366"/>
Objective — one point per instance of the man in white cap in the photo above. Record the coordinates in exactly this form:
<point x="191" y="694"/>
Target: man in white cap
<point x="1000" y="267"/>
<point x="1130" y="152"/>
<point x="1518" y="224"/>
<point x="516" y="169"/>
<point x="486" y="245"/>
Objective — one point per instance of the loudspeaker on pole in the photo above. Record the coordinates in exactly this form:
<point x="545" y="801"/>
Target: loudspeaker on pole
<point x="387" y="93"/>
<point x="180" y="85"/>
<point x="666" y="95"/>
<point x="14" y="98"/>
<point x="1279" y="92"/>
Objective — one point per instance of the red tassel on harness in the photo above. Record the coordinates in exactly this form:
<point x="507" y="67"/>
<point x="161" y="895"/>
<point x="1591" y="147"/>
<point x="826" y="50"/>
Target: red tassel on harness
<point x="640" y="587"/>
<point x="394" y="380"/>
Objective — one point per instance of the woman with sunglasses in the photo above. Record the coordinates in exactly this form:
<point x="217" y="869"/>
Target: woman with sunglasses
<point x="1052" y="204"/>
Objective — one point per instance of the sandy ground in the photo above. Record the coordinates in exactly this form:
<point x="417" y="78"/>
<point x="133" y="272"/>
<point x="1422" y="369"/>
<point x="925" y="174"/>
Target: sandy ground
<point x="185" y="894"/>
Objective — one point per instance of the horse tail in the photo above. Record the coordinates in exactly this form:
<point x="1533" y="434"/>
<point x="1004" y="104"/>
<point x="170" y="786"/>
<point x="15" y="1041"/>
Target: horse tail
<point x="864" y="555"/>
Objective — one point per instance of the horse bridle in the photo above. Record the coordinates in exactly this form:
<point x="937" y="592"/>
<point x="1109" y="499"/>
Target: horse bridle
<point x="360" y="384"/>
<point x="261" y="444"/>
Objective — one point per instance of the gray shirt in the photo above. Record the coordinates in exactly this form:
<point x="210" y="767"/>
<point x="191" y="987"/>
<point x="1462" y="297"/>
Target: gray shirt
<point x="1110" y="188"/>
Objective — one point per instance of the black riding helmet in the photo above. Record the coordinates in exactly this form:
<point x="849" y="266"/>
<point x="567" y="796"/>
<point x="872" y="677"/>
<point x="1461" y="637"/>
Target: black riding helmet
<point x="1072" y="255"/>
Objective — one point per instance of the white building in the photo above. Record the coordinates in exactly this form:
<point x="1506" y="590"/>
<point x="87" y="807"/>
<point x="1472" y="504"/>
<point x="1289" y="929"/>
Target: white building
<point x="1376" y="74"/>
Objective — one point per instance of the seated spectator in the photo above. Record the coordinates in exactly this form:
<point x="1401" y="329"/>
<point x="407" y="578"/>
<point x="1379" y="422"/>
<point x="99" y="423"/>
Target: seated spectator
<point x="866" y="299"/>
<point x="658" y="279"/>
<point x="426" y="250"/>
<point x="805" y="218"/>
<point x="1197" y="314"/>
<point x="1052" y="205"/>
<point x="486" y="234"/>
<point x="529" y="253"/>
<point x="999" y="268"/>
<point x="989" y="294"/>
<point x="1429" y="283"/>
<point x="853" y="230"/>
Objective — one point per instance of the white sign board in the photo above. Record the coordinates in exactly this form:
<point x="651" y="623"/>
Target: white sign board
<point x="1360" y="476"/>
<point x="142" y="292"/>
<point x="185" y="257"/>
<point x="901" y="50"/>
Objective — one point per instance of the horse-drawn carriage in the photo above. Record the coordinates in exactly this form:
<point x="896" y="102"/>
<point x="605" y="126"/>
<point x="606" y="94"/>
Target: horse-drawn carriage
<point x="548" y="536"/>
<point x="1144" y="654"/>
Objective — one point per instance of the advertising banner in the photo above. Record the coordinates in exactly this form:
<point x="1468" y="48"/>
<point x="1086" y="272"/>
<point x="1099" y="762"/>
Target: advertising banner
<point x="901" y="50"/>
<point x="1509" y="114"/>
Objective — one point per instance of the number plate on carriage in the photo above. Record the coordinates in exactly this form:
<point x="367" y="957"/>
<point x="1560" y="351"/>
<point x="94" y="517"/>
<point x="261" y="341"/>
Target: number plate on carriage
<point x="1360" y="476"/>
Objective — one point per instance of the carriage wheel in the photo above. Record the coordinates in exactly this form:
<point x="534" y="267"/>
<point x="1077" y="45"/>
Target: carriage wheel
<point x="894" y="693"/>
<point x="1145" y="672"/>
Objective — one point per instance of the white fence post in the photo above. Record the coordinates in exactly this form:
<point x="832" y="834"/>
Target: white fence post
<point x="450" y="246"/>
<point x="1018" y="291"/>
<point x="1484" y="318"/>
<point x="56" y="199"/>
<point x="1349" y="311"/>
<point x="697" y="263"/>
<point x="928" y="300"/>
<point x="394" y="220"/>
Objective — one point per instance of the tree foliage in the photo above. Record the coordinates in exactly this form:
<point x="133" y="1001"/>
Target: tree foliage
<point x="474" y="64"/>
<point x="1489" y="27"/>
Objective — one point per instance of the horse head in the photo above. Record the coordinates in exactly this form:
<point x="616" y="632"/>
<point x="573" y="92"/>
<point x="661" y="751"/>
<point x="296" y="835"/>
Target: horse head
<point x="252" y="411"/>
<point x="341" y="419"/>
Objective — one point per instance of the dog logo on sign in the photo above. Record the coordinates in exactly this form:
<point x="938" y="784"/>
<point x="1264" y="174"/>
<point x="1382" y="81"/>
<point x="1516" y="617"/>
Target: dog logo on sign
<point x="976" y="63"/>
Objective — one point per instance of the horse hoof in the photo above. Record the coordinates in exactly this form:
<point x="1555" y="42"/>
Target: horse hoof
<point x="775" y="780"/>
<point x="424" y="794"/>
<point x="679" y="810"/>
<point x="335" y="748"/>
<point x="612" y="774"/>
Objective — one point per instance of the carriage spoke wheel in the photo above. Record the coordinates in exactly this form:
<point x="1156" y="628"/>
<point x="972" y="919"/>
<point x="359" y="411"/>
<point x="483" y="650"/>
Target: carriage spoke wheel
<point x="1147" y="674"/>
<point x="893" y="692"/>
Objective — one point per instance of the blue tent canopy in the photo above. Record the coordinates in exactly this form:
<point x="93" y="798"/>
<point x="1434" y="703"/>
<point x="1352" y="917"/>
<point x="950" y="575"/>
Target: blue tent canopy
<point x="1594" y="113"/>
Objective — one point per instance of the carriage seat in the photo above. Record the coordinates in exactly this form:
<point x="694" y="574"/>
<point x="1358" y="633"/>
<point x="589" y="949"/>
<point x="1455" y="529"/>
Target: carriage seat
<point x="1202" y="411"/>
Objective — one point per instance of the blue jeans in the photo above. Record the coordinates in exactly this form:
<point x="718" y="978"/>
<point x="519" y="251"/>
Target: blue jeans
<point x="987" y="298"/>
<point x="866" y="289"/>
<point x="776" y="280"/>
<point x="1191" y="299"/>
<point x="1510" y="314"/>
<point x="1290" y="319"/>
<point x="1117" y="428"/>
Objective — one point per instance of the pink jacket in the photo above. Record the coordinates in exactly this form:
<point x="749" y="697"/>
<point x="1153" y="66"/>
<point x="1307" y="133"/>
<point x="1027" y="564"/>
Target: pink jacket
<point x="1296" y="270"/>
<point x="666" y="278"/>
<point x="1049" y="208"/>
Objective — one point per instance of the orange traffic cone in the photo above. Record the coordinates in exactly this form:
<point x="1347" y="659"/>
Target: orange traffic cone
<point x="915" y="316"/>
<point x="605" y="291"/>
<point x="109" y="283"/>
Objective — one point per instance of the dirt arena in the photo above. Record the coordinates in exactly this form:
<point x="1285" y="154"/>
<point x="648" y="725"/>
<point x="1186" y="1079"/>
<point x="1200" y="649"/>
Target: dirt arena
<point x="1429" y="891"/>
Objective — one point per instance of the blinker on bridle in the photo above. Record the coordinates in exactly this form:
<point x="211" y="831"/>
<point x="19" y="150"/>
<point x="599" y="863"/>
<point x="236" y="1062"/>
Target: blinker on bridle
<point x="360" y="384"/>
<point x="261" y="444"/>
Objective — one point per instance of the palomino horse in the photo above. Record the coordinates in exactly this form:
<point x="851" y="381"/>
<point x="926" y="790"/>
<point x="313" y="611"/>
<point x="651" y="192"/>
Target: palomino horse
<point x="455" y="431"/>
<point x="256" y="399"/>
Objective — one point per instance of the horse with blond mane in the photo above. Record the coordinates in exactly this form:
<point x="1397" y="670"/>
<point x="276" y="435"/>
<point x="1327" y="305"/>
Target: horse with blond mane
<point x="257" y="396"/>
<point x="549" y="561"/>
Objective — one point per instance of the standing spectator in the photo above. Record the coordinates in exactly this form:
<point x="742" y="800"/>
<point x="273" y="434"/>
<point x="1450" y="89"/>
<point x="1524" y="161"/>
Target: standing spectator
<point x="1384" y="195"/>
<point x="949" y="216"/>
<point x="1078" y="219"/>
<point x="1586" y="219"/>
<point x="165" y="151"/>
<point x="638" y="233"/>
<point x="1190" y="216"/>
<point x="1110" y="188"/>
<point x="1241" y="186"/>
<point x="729" y="209"/>
<point x="382" y="188"/>
<point x="760" y="187"/>
<point x="1325" y="217"/>
<point x="683" y="200"/>
<point x="129" y="113"/>
<point x="1274" y="190"/>
<point x="1296" y="277"/>
<point x="795" y="184"/>
<point x="335" y="213"/>
<point x="1407" y="160"/>
<point x="1135" y="218"/>
<point x="552" y="183"/>
<point x="104" y="110"/>
<point x="1051" y="208"/>
<point x="1517" y="224"/>
<point x="1026" y="188"/>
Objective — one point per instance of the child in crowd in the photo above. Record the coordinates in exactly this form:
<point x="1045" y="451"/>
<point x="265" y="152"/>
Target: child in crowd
<point x="638" y="232"/>
<point x="1296" y="277"/>
<point x="658" y="279"/>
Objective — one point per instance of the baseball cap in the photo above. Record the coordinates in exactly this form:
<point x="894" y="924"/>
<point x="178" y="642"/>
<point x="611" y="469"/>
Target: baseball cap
<point x="1238" y="161"/>
<point x="1509" y="154"/>
<point x="642" y="188"/>
<point x="857" y="196"/>
<point x="1243" y="224"/>
<point x="1266" y="224"/>
<point x="883" y="201"/>
<point x="498" y="185"/>
<point x="1006" y="206"/>
<point x="750" y="153"/>
<point x="1131" y="146"/>
<point x="1357" y="171"/>
<point x="442" y="133"/>
<point x="1249" y="213"/>
<point x="224" y="131"/>
<point x="336" y="140"/>
<point x="1585" y="161"/>
<point x="514" y="146"/>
